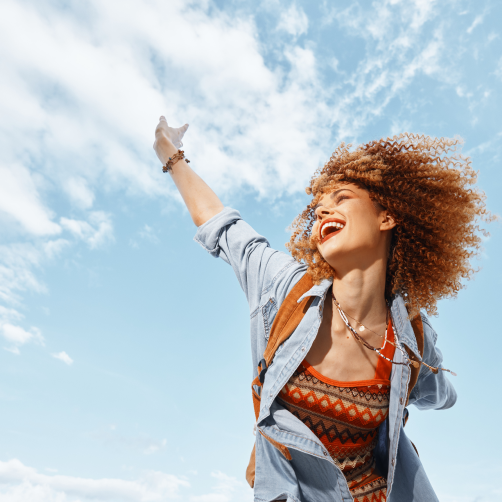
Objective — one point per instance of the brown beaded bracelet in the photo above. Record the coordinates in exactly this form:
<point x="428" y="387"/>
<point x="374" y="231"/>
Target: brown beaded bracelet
<point x="180" y="154"/>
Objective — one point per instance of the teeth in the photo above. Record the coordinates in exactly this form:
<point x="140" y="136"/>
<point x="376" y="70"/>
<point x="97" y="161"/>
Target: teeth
<point x="331" y="224"/>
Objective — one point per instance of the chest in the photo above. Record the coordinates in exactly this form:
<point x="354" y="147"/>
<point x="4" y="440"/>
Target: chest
<point x="336" y="354"/>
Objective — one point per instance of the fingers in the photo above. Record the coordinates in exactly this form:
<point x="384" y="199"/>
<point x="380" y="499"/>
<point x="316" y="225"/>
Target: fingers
<point x="181" y="129"/>
<point x="174" y="134"/>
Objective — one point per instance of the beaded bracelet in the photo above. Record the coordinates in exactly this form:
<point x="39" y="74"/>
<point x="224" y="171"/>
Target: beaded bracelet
<point x="180" y="154"/>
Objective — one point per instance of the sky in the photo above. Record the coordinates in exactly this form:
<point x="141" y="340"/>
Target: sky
<point x="124" y="347"/>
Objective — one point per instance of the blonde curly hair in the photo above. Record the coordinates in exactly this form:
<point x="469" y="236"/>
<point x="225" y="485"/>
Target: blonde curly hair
<point x="427" y="186"/>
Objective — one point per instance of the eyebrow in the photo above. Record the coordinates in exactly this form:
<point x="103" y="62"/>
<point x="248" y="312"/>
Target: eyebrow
<point x="332" y="196"/>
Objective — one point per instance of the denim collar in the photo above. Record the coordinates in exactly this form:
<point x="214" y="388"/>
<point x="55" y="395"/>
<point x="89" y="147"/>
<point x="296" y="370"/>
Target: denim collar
<point x="403" y="325"/>
<point x="317" y="289"/>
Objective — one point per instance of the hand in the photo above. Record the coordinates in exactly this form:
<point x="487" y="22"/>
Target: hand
<point x="167" y="136"/>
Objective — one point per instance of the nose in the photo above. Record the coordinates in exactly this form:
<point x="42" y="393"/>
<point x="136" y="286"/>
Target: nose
<point x="323" y="212"/>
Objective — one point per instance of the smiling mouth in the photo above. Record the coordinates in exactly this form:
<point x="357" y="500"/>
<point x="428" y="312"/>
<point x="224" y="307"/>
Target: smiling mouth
<point x="330" y="227"/>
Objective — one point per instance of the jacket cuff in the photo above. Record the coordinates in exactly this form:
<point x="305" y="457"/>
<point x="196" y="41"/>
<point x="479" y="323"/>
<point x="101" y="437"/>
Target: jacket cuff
<point x="208" y="234"/>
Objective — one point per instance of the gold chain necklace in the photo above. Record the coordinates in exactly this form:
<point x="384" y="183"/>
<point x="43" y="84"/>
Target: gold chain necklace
<point x="362" y="341"/>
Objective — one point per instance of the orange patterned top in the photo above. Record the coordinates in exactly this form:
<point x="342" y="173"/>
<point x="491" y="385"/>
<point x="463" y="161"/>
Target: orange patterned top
<point x="345" y="416"/>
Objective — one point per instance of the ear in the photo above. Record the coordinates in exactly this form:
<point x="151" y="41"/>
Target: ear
<point x="387" y="221"/>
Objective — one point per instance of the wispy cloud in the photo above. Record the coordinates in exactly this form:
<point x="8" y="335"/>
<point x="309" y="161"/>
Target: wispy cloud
<point x="147" y="233"/>
<point x="294" y="21"/>
<point x="477" y="21"/>
<point x="226" y="489"/>
<point x="96" y="233"/>
<point x="19" y="264"/>
<point x="498" y="69"/>
<point x="19" y="482"/>
<point x="22" y="483"/>
<point x="21" y="200"/>
<point x="17" y="336"/>
<point x="63" y="356"/>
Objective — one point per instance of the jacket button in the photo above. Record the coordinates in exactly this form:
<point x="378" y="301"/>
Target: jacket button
<point x="325" y="453"/>
<point x="393" y="461"/>
<point x="401" y="400"/>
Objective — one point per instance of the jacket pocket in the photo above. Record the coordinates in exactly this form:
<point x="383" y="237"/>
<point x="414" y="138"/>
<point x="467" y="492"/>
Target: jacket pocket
<point x="269" y="311"/>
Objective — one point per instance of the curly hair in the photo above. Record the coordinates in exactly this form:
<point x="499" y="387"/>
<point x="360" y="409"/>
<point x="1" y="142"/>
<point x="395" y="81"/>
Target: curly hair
<point x="427" y="186"/>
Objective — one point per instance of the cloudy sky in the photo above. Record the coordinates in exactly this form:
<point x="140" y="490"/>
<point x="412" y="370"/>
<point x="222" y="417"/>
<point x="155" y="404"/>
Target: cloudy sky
<point x="124" y="354"/>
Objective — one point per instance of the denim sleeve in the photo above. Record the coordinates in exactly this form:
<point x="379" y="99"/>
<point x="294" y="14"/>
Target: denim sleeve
<point x="255" y="264"/>
<point x="432" y="391"/>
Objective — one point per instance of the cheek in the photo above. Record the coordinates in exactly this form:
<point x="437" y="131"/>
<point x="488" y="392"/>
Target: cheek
<point x="365" y="235"/>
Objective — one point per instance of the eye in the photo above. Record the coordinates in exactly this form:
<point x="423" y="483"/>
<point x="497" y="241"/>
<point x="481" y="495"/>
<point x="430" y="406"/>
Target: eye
<point x="341" y="197"/>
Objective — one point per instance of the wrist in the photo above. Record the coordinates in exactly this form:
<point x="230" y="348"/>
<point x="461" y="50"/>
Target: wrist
<point x="165" y="148"/>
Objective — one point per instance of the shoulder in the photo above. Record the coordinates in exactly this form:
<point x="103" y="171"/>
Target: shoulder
<point x="429" y="332"/>
<point x="431" y="355"/>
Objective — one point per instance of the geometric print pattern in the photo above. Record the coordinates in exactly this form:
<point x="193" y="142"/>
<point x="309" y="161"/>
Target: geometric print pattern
<point x="345" y="416"/>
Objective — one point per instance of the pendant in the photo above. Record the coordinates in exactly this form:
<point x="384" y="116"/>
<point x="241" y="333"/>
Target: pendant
<point x="362" y="328"/>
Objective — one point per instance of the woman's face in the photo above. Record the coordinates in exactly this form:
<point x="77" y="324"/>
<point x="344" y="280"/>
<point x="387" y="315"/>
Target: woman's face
<point x="349" y="229"/>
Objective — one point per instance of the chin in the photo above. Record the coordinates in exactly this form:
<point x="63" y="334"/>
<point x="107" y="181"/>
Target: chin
<point x="332" y="255"/>
<point x="337" y="252"/>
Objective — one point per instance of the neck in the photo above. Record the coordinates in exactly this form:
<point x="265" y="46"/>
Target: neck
<point x="361" y="293"/>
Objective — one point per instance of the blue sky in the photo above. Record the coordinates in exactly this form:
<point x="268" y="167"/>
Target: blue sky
<point x="125" y="361"/>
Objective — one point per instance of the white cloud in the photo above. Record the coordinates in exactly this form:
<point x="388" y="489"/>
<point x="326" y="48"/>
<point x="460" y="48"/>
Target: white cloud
<point x="243" y="111"/>
<point x="63" y="356"/>
<point x="92" y="114"/>
<point x="461" y="92"/>
<point x="498" y="70"/>
<point x="79" y="192"/>
<point x="423" y="12"/>
<point x="54" y="248"/>
<point x="19" y="483"/>
<point x="402" y="45"/>
<point x="294" y="21"/>
<point x="20" y="199"/>
<point x="226" y="489"/>
<point x="18" y="264"/>
<point x="18" y="336"/>
<point x="155" y="447"/>
<point x="398" y="126"/>
<point x="477" y="21"/>
<point x="9" y="314"/>
<point x="147" y="233"/>
<point x="96" y="233"/>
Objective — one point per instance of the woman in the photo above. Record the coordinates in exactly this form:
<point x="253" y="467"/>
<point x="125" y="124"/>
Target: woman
<point x="389" y="231"/>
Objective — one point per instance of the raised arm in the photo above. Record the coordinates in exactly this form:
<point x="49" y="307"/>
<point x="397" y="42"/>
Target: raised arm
<point x="202" y="203"/>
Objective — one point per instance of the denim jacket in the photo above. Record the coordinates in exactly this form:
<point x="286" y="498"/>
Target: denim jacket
<point x="266" y="276"/>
